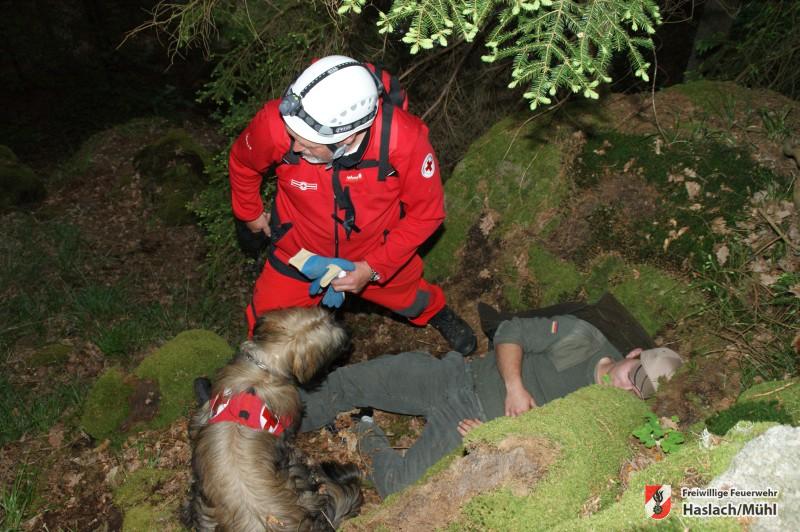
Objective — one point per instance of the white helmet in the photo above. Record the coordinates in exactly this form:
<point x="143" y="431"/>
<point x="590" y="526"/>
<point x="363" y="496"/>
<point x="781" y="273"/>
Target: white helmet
<point x="332" y="99"/>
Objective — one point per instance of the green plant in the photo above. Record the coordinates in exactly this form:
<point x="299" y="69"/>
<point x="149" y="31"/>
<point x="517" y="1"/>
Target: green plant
<point x="762" y="49"/>
<point x="24" y="411"/>
<point x="16" y="498"/>
<point x="553" y="44"/>
<point x="651" y="433"/>
<point x="722" y="421"/>
<point x="776" y="123"/>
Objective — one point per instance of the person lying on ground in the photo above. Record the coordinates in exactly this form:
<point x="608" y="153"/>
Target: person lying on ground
<point x="535" y="360"/>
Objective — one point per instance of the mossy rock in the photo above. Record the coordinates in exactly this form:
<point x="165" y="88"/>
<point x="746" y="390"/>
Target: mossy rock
<point x="107" y="405"/>
<point x="19" y="184"/>
<point x="587" y="436"/>
<point x="176" y="364"/>
<point x="786" y="393"/>
<point x="51" y="355"/>
<point x="173" y="172"/>
<point x="692" y="465"/>
<point x="512" y="170"/>
<point x="144" y="509"/>
<point x="172" y="367"/>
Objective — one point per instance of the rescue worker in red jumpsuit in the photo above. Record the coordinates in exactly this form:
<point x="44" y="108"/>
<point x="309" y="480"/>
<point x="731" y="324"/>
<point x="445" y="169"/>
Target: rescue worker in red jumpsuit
<point x="357" y="179"/>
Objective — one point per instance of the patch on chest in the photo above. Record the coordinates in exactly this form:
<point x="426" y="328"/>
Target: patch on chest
<point x="303" y="185"/>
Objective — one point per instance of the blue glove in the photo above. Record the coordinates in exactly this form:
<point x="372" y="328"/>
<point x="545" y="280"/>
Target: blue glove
<point x="320" y="270"/>
<point x="332" y="298"/>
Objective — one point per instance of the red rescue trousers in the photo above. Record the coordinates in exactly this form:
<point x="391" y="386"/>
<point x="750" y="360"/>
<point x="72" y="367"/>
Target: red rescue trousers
<point x="406" y="293"/>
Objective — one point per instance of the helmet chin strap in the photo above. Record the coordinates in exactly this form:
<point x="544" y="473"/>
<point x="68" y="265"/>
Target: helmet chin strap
<point x="337" y="151"/>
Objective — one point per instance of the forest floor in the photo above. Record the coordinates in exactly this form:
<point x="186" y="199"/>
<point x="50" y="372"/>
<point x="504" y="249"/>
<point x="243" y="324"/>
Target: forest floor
<point x="99" y="224"/>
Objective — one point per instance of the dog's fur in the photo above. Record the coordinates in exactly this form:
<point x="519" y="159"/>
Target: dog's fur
<point x="249" y="480"/>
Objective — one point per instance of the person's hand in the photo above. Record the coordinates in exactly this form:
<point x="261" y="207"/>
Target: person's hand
<point x="260" y="224"/>
<point x="355" y="280"/>
<point x="321" y="270"/>
<point x="518" y="401"/>
<point x="466" y="425"/>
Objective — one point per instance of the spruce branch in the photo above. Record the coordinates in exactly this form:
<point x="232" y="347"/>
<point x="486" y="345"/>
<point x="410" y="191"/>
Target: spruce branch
<point x="552" y="44"/>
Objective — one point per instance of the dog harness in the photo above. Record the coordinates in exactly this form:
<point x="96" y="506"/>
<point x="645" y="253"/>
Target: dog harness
<point x="247" y="409"/>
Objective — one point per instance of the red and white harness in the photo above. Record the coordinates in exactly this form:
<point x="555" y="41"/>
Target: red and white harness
<point x="246" y="408"/>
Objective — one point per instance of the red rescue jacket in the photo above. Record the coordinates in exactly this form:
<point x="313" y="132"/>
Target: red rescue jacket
<point x="390" y="219"/>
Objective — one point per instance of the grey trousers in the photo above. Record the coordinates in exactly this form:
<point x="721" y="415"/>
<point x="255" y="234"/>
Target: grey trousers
<point x="413" y="383"/>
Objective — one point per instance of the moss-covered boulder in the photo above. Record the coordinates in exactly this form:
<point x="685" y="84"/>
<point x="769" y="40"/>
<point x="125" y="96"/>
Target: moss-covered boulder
<point x="176" y="364"/>
<point x="541" y="467"/>
<point x="19" y="184"/>
<point x="107" y="404"/>
<point x="158" y="391"/>
<point x="693" y="466"/>
<point x="172" y="169"/>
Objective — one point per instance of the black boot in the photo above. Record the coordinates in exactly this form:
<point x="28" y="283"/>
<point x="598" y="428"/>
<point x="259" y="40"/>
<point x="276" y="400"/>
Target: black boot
<point x="456" y="331"/>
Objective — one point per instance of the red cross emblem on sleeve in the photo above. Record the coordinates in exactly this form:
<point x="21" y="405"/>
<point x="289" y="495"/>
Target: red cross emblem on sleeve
<point x="428" y="166"/>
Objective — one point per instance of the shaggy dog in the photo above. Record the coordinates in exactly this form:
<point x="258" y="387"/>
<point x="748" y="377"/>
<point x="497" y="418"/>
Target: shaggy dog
<point x="247" y="474"/>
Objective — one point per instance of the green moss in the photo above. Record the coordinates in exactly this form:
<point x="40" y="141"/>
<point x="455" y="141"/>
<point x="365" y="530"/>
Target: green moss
<point x="557" y="279"/>
<point x="51" y="355"/>
<point x="148" y="517"/>
<point x="717" y="97"/>
<point x="591" y="427"/>
<point x="721" y="422"/>
<point x="107" y="405"/>
<point x="725" y="176"/>
<point x="139" y="486"/>
<point x="513" y="169"/>
<point x="175" y="365"/>
<point x="692" y="461"/>
<point x="653" y="297"/>
<point x="143" y="507"/>
<point x="787" y="393"/>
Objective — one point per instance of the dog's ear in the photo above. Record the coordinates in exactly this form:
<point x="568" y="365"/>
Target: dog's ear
<point x="202" y="390"/>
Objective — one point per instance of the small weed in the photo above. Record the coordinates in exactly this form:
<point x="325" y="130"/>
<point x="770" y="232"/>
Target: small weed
<point x="652" y="433"/>
<point x="16" y="498"/>
<point x="775" y="123"/>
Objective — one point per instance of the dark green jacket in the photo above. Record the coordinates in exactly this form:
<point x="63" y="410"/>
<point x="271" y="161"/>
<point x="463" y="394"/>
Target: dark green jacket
<point x="559" y="356"/>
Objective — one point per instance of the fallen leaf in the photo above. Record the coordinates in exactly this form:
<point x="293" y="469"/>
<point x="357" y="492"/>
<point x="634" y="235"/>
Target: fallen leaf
<point x="695" y="207"/>
<point x="767" y="279"/>
<point x="56" y="436"/>
<point x="722" y="254"/>
<point x="688" y="172"/>
<point x="692" y="189"/>
<point x="795" y="290"/>
<point x="719" y="226"/>
<point x="667" y="423"/>
<point x="675" y="178"/>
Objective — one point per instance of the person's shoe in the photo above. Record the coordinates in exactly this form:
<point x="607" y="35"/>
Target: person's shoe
<point x="456" y="331"/>
<point x="364" y="414"/>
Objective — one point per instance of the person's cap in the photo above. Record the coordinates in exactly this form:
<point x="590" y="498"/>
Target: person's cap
<point x="653" y="365"/>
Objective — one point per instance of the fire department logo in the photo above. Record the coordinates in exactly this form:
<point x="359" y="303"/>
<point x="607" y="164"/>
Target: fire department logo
<point x="303" y="185"/>
<point x="428" y="166"/>
<point x="657" y="500"/>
